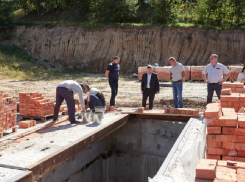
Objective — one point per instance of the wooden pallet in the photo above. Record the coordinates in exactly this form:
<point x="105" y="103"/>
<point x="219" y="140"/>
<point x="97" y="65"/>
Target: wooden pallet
<point x="14" y="129"/>
<point x="41" y="118"/>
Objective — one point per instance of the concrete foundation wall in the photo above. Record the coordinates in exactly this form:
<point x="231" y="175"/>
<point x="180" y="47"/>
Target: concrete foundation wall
<point x="132" y="153"/>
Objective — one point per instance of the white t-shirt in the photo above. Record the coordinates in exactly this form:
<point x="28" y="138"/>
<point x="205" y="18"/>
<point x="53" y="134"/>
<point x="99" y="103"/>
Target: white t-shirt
<point x="215" y="74"/>
<point x="241" y="76"/>
<point x="93" y="91"/>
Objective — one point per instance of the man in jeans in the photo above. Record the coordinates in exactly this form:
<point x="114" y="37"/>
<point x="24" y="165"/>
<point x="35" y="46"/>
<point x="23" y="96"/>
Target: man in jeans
<point x="112" y="74"/>
<point x="213" y="76"/>
<point x="178" y="77"/>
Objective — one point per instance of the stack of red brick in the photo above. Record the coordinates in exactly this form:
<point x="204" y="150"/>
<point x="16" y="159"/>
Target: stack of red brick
<point x="196" y="72"/>
<point x="192" y="112"/>
<point x="226" y="133"/>
<point x="220" y="171"/>
<point x="8" y="112"/>
<point x="34" y="104"/>
<point x="232" y="95"/>
<point x="235" y="70"/>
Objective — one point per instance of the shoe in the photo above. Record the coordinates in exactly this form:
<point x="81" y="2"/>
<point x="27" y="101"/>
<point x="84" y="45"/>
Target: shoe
<point x="75" y="122"/>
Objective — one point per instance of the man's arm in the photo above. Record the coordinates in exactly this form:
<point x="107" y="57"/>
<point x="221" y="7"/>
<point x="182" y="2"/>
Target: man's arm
<point x="80" y="94"/>
<point x="204" y="76"/>
<point x="157" y="84"/>
<point x="107" y="73"/>
<point x="142" y="84"/>
<point x="227" y="76"/>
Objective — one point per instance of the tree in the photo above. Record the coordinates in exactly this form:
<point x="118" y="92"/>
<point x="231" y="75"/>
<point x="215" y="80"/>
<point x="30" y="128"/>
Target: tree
<point x="6" y="15"/>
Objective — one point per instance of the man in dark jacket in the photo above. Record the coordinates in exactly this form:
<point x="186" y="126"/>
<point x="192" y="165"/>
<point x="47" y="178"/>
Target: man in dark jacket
<point x="149" y="86"/>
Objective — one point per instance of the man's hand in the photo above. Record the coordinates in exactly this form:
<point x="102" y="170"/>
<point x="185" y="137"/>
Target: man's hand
<point x="141" y="92"/>
<point x="206" y="81"/>
<point x="157" y="93"/>
<point x="84" y="109"/>
<point x="220" y="83"/>
<point x="183" y="79"/>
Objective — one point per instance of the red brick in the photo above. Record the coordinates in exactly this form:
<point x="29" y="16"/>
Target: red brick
<point x="240" y="131"/>
<point x="240" y="175"/>
<point x="214" y="144"/>
<point x="221" y="151"/>
<point x="228" y="130"/>
<point x="240" y="146"/>
<point x="214" y="122"/>
<point x="239" y="159"/>
<point x="229" y="145"/>
<point x="233" y="98"/>
<point x="212" y="112"/>
<point x="225" y="173"/>
<point x="217" y="157"/>
<point x="205" y="168"/>
<point x="224" y="104"/>
<point x="241" y="121"/>
<point x="226" y="91"/>
<point x="228" y="120"/>
<point x="241" y="152"/>
<point x="24" y="124"/>
<point x="214" y="130"/>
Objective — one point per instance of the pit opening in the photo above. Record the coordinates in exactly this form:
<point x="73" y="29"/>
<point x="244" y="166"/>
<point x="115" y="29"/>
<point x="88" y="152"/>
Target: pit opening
<point x="132" y="153"/>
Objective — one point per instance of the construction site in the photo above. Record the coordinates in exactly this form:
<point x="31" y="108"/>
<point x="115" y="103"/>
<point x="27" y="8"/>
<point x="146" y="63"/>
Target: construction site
<point x="199" y="142"/>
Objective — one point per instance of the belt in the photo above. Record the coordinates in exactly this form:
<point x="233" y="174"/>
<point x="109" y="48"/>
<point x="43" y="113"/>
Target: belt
<point x="177" y="81"/>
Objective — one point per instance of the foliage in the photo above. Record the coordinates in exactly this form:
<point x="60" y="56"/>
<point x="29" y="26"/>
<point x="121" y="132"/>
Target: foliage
<point x="6" y="18"/>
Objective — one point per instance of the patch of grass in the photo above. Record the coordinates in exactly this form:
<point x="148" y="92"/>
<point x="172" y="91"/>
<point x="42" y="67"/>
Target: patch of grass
<point x="93" y="25"/>
<point x="17" y="64"/>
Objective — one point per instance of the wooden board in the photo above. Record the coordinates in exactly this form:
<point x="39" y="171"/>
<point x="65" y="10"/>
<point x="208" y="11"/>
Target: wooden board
<point x="154" y="112"/>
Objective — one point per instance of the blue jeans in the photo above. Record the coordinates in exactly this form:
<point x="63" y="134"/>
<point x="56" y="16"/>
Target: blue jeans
<point x="114" y="87"/>
<point x="177" y="94"/>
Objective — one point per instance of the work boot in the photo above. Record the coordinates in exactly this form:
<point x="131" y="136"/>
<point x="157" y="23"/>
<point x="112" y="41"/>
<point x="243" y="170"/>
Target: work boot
<point x="75" y="122"/>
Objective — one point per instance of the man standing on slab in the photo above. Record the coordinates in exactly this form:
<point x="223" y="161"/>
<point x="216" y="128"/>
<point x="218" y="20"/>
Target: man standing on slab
<point x="149" y="87"/>
<point x="213" y="76"/>
<point x="65" y="91"/>
<point x="112" y="74"/>
<point x="178" y="77"/>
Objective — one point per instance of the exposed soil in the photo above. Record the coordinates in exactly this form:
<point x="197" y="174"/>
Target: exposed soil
<point x="129" y="94"/>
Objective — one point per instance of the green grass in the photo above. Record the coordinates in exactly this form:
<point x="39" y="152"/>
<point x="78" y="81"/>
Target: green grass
<point x="17" y="64"/>
<point x="100" y="25"/>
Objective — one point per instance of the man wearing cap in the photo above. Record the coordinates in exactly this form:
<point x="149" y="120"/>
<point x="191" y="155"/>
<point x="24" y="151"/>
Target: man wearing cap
<point x="95" y="97"/>
<point x="213" y="76"/>
<point x="178" y="77"/>
<point x="149" y="86"/>
<point x="112" y="74"/>
<point x="65" y="91"/>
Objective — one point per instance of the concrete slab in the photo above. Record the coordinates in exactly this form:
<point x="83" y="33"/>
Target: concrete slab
<point x="10" y="175"/>
<point x="40" y="155"/>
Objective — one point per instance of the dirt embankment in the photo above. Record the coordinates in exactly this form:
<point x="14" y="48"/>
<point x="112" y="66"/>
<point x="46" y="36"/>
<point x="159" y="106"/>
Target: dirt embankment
<point x="91" y="49"/>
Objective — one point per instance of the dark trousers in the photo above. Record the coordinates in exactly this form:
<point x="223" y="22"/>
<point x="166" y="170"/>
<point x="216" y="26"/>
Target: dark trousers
<point x="211" y="88"/>
<point x="114" y="88"/>
<point x="151" y="98"/>
<point x="62" y="94"/>
<point x="95" y="101"/>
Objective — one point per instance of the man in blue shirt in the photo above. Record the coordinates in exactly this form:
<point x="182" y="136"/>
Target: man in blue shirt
<point x="112" y="74"/>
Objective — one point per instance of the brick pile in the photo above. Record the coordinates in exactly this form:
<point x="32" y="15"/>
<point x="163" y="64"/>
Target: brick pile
<point x="225" y="133"/>
<point x="196" y="72"/>
<point x="232" y="95"/>
<point x="34" y="104"/>
<point x="220" y="171"/>
<point x="163" y="73"/>
<point x="235" y="70"/>
<point x="8" y="112"/>
<point x="192" y="112"/>
<point x="187" y="72"/>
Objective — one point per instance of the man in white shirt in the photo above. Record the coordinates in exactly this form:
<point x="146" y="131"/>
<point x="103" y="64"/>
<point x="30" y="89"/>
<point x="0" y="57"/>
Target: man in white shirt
<point x="213" y="76"/>
<point x="95" y="97"/>
<point x="65" y="91"/>
<point x="149" y="86"/>
<point x="178" y="77"/>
